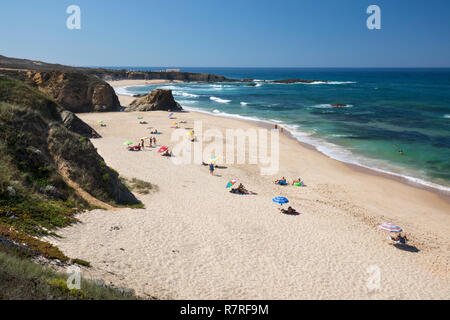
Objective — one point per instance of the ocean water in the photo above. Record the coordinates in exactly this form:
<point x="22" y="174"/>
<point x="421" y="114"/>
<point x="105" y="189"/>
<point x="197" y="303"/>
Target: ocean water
<point x="388" y="110"/>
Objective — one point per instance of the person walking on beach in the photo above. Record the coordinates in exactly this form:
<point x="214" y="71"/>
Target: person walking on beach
<point x="211" y="169"/>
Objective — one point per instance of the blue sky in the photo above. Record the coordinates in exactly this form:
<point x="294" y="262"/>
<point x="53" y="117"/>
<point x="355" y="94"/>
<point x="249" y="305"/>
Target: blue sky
<point x="244" y="33"/>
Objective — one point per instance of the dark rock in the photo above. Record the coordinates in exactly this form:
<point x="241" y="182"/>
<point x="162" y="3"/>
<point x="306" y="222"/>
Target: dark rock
<point x="158" y="99"/>
<point x="75" y="124"/>
<point x="252" y="84"/>
<point x="338" y="105"/>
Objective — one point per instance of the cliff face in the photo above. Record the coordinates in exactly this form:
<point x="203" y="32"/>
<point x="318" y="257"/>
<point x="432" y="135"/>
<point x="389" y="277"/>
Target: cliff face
<point x="108" y="74"/>
<point x="157" y="99"/>
<point x="41" y="153"/>
<point x="74" y="91"/>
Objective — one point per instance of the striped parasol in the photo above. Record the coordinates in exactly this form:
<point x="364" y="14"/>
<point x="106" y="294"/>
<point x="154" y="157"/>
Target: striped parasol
<point x="390" y="227"/>
<point x="280" y="200"/>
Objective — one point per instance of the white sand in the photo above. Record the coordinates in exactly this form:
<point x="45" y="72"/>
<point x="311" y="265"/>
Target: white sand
<point x="195" y="240"/>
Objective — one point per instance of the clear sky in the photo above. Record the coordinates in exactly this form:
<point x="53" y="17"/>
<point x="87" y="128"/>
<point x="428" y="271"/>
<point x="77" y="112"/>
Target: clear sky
<point x="231" y="33"/>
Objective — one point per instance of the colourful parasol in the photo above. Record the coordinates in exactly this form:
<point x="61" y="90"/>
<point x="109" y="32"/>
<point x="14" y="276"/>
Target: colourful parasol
<point x="231" y="183"/>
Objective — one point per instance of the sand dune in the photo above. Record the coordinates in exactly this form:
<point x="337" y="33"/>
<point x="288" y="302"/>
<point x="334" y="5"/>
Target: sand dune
<point x="195" y="240"/>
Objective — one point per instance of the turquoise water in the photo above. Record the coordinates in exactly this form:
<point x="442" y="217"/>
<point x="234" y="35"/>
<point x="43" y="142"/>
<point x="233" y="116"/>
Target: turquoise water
<point x="388" y="110"/>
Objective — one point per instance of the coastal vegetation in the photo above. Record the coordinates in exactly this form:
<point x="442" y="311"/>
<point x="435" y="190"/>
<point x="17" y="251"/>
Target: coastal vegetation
<point x="48" y="173"/>
<point x="22" y="279"/>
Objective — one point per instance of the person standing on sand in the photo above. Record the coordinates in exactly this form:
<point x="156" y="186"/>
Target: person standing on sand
<point x="211" y="169"/>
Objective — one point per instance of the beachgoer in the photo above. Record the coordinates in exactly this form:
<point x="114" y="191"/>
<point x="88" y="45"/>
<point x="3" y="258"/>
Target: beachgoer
<point x="281" y="181"/>
<point x="211" y="169"/>
<point x="399" y="238"/>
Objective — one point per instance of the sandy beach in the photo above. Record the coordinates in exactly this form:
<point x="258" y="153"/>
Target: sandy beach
<point x="195" y="240"/>
<point x="133" y="82"/>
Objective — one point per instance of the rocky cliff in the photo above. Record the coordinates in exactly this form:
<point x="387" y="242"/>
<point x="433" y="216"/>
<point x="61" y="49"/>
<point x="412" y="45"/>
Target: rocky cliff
<point x="108" y="74"/>
<point x="157" y="99"/>
<point x="74" y="91"/>
<point x="42" y="153"/>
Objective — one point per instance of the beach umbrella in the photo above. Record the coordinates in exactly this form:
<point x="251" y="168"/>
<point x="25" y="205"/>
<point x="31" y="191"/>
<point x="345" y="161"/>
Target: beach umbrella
<point x="174" y="123"/>
<point x="213" y="159"/>
<point x="388" y="226"/>
<point x="280" y="200"/>
<point x="127" y="143"/>
<point x="231" y="183"/>
<point x="162" y="149"/>
<point x="170" y="114"/>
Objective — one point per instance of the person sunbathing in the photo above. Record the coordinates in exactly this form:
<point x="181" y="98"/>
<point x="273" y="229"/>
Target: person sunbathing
<point x="290" y="211"/>
<point x="134" y="148"/>
<point x="167" y="153"/>
<point x="241" y="190"/>
<point x="281" y="181"/>
<point x="299" y="180"/>
<point x="399" y="238"/>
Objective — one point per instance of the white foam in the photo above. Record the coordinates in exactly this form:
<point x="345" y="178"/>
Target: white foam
<point x="447" y="116"/>
<point x="187" y="101"/>
<point x="124" y="91"/>
<point x="244" y="103"/>
<point x="329" y="106"/>
<point x="339" y="153"/>
<point x="216" y="111"/>
<point x="334" y="151"/>
<point x="219" y="100"/>
<point x="331" y="82"/>
<point x="167" y="87"/>
<point x="185" y="94"/>
<point x="341" y="82"/>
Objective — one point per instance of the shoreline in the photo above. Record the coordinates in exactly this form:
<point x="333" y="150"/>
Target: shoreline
<point x="210" y="244"/>
<point x="359" y="167"/>
<point x="407" y="180"/>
